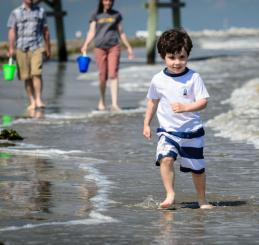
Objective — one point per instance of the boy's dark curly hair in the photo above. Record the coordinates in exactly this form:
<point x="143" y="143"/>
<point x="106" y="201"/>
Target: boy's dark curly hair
<point x="173" y="41"/>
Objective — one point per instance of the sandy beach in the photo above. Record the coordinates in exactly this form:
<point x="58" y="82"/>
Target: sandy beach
<point x="85" y="177"/>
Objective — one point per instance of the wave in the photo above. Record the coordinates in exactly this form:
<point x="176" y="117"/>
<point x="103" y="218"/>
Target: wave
<point x="227" y="39"/>
<point x="95" y="218"/>
<point x="230" y="32"/>
<point x="240" y="123"/>
<point x="244" y="43"/>
<point x="69" y="117"/>
<point x="41" y="151"/>
<point x="100" y="201"/>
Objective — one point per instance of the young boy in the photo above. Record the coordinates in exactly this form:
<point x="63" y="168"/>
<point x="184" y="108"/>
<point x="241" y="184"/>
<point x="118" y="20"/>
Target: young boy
<point x="177" y="93"/>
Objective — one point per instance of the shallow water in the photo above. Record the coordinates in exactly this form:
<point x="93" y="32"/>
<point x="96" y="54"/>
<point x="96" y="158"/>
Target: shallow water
<point x="84" y="177"/>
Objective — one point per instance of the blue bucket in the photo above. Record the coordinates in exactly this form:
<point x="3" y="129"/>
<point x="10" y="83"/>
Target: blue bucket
<point x="83" y="63"/>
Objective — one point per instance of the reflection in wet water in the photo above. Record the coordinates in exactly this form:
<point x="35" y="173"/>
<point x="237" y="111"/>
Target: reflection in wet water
<point x="166" y="227"/>
<point x="6" y="155"/>
<point x="37" y="189"/>
<point x="36" y="113"/>
<point x="43" y="190"/>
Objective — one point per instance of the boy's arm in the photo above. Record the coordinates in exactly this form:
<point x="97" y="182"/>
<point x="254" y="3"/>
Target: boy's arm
<point x="195" y="106"/>
<point x="151" y="108"/>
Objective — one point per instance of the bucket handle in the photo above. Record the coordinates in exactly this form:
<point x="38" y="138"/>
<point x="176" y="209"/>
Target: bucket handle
<point x="10" y="61"/>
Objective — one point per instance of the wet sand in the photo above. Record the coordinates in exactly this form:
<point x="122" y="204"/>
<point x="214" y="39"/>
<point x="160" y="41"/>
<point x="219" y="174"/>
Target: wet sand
<point x="82" y="177"/>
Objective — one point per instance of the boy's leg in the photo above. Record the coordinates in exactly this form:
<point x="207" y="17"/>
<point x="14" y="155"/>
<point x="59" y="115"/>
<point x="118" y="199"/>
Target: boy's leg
<point x="199" y="181"/>
<point x="168" y="178"/>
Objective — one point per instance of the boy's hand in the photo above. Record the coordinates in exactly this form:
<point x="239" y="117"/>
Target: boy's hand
<point x="147" y="132"/>
<point x="191" y="107"/>
<point x="178" y="107"/>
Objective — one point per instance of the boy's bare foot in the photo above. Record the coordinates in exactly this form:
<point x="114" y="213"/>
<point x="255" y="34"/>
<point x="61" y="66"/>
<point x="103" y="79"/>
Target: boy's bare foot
<point x="168" y="203"/>
<point x="205" y="205"/>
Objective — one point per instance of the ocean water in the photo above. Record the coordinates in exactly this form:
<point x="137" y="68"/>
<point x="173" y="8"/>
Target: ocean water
<point x="87" y="177"/>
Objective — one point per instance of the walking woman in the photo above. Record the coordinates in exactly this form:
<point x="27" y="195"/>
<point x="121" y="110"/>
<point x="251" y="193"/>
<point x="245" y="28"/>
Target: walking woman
<point x="106" y="31"/>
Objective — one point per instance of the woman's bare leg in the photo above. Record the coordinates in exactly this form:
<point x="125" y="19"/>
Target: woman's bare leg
<point x="102" y="89"/>
<point x="114" y="94"/>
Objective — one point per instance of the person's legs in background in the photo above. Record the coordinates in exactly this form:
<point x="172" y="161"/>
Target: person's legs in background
<point x="36" y="73"/>
<point x="23" y="65"/>
<point x="29" y="70"/>
<point x="113" y="68"/>
<point x="30" y="94"/>
<point x="101" y="62"/>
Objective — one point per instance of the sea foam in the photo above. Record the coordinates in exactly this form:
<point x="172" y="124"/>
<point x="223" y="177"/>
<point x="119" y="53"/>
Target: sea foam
<point x="95" y="218"/>
<point x="241" y="122"/>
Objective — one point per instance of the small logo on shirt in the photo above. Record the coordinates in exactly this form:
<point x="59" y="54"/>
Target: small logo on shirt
<point x="105" y="20"/>
<point x="184" y="91"/>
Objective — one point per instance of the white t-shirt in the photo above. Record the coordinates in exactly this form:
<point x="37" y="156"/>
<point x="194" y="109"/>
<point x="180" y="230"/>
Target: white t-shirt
<point x="186" y="87"/>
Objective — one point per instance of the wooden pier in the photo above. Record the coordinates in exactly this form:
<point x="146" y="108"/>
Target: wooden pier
<point x="58" y="14"/>
<point x="152" y="7"/>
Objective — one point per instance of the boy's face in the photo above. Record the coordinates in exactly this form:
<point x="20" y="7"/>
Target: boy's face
<point x="177" y="62"/>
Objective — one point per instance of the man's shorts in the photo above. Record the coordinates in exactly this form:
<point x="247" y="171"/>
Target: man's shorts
<point x="107" y="61"/>
<point x="29" y="63"/>
<point x="189" y="150"/>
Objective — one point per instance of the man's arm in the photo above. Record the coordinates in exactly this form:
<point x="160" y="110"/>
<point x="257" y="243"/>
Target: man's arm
<point x="46" y="37"/>
<point x="11" y="41"/>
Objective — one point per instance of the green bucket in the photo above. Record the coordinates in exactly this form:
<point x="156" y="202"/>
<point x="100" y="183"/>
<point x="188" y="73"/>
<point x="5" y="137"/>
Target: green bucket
<point x="9" y="70"/>
<point x="6" y="120"/>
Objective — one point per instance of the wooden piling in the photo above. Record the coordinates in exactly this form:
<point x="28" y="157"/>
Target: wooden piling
<point x="176" y="13"/>
<point x="151" y="27"/>
<point x="58" y="14"/>
<point x="62" y="52"/>
<point x="152" y="7"/>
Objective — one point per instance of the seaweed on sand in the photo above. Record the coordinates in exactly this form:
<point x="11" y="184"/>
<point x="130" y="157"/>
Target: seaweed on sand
<point x="10" y="134"/>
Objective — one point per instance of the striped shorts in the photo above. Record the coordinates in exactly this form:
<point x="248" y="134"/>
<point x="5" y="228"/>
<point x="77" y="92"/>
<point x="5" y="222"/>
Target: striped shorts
<point x="187" y="146"/>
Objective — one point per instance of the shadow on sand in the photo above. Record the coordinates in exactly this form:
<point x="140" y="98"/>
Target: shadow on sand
<point x="194" y="205"/>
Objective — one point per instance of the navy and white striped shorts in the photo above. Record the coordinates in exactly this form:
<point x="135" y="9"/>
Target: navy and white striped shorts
<point x="187" y="146"/>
